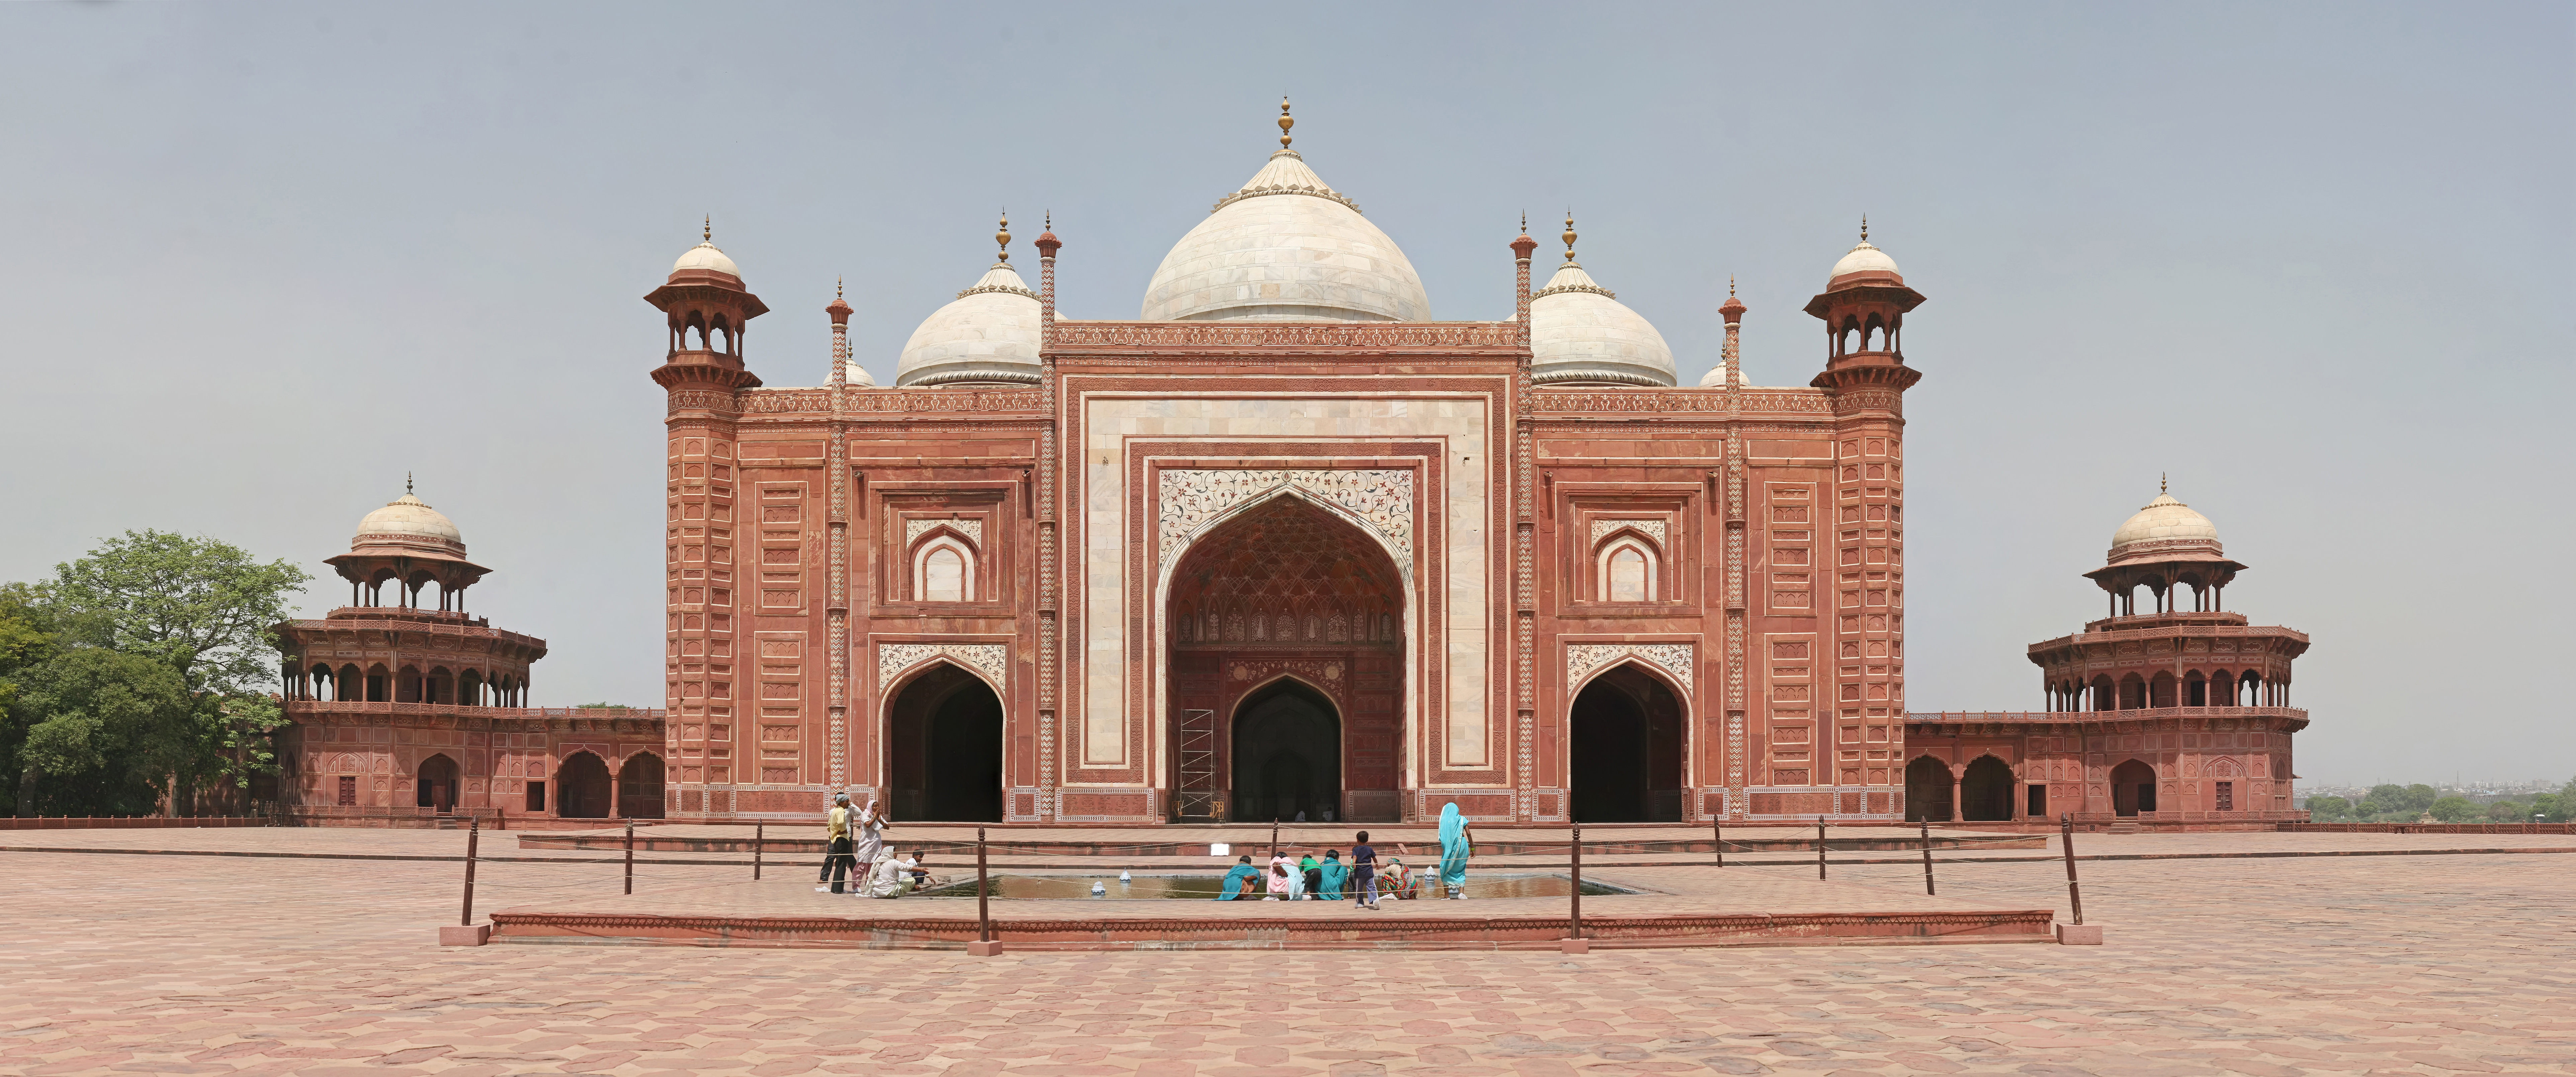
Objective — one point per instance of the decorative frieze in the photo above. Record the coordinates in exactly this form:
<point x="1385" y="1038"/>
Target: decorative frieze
<point x="1374" y="336"/>
<point x="991" y="659"/>
<point x="973" y="529"/>
<point x="1653" y="529"/>
<point x="1190" y="498"/>
<point x="1583" y="659"/>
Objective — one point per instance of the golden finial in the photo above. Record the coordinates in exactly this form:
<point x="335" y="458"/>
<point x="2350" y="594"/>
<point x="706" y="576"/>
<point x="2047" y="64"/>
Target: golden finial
<point x="836" y="287"/>
<point x="1730" y="286"/>
<point x="406" y="484"/>
<point x="1864" y="228"/>
<point x="1050" y="222"/>
<point x="707" y="234"/>
<point x="1285" y="122"/>
<point x="1569" y="235"/>
<point x="2160" y="482"/>
<point x="1002" y="235"/>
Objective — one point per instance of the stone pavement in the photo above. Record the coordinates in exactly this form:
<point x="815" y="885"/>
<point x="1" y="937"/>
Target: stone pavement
<point x="2400" y="964"/>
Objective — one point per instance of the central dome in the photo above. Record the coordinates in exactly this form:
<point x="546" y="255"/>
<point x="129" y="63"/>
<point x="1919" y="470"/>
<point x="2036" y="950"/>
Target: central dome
<point x="2165" y="527"/>
<point x="408" y="522"/>
<point x="1286" y="247"/>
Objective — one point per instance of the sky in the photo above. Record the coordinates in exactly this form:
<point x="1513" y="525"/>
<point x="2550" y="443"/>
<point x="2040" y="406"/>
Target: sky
<point x="273" y="257"/>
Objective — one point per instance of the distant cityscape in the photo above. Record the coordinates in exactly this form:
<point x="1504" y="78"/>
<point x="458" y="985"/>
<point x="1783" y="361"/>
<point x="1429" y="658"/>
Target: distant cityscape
<point x="2481" y="791"/>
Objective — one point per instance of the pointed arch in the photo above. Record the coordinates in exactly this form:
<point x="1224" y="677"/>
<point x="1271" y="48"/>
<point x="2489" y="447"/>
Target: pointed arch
<point x="1627" y="566"/>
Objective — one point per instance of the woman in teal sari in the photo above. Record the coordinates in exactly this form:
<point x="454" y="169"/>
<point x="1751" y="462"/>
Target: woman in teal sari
<point x="1456" y="839"/>
<point x="1232" y="887"/>
<point x="1336" y="876"/>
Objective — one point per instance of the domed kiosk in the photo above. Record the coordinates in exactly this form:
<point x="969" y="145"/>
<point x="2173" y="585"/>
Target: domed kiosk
<point x="988" y="335"/>
<point x="1580" y="334"/>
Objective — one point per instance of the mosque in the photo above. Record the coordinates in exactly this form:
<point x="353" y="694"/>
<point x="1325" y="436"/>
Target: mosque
<point x="1284" y="545"/>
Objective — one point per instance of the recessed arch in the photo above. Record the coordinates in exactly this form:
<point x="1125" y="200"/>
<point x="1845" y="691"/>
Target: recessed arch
<point x="1627" y="566"/>
<point x="943" y="735"/>
<point x="639" y="786"/>
<point x="1627" y="733"/>
<point x="1928" y="786"/>
<point x="1986" y="790"/>
<point x="582" y="788"/>
<point x="435" y="784"/>
<point x="2133" y="788"/>
<point x="943" y="568"/>
<point x="1285" y="741"/>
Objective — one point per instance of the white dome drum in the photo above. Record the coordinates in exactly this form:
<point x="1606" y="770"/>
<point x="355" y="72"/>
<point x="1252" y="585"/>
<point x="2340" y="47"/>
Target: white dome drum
<point x="409" y="521"/>
<point x="1286" y="247"/>
<point x="2165" y="529"/>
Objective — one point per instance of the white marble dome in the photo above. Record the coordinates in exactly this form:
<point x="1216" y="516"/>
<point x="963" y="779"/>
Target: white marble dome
<point x="856" y="376"/>
<point x="409" y="517"/>
<point x="1581" y="332"/>
<point x="1863" y="259"/>
<point x="705" y="256"/>
<point x="988" y="333"/>
<point x="1286" y="247"/>
<point x="2163" y="521"/>
<point x="1716" y="378"/>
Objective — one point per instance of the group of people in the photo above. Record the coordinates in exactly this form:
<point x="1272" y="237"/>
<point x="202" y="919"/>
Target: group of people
<point x="857" y="854"/>
<point x="1294" y="877"/>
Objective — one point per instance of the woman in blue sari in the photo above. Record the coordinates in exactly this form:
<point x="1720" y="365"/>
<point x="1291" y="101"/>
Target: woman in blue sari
<point x="1456" y="839"/>
<point x="1335" y="876"/>
<point x="1232" y="887"/>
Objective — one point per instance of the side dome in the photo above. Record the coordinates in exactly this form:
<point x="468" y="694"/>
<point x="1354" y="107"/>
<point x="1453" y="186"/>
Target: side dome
<point x="988" y="333"/>
<point x="1286" y="247"/>
<point x="408" y="521"/>
<point x="1863" y="264"/>
<point x="2164" y="528"/>
<point x="1581" y="332"/>
<point x="705" y="257"/>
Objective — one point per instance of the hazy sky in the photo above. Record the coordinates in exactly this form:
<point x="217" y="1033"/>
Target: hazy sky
<point x="272" y="256"/>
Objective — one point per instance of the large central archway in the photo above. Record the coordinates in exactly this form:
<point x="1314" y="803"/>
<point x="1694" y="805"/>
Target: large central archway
<point x="1626" y="748"/>
<point x="1285" y="587"/>
<point x="944" y="743"/>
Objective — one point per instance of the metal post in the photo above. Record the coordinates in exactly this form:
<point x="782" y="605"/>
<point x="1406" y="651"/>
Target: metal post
<point x="2066" y="841"/>
<point x="1927" y="855"/>
<point x="759" y="832"/>
<point x="1718" y="831"/>
<point x="983" y="910"/>
<point x="1577" y="848"/>
<point x="630" y="856"/>
<point x="1820" y="848"/>
<point x="1274" y="837"/>
<point x="473" y="837"/>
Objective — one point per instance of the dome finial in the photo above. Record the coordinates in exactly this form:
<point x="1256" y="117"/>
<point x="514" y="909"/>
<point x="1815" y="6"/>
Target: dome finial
<point x="836" y="287"/>
<point x="1730" y="286"/>
<point x="1286" y="121"/>
<point x="1864" y="228"/>
<point x="406" y="484"/>
<point x="1002" y="234"/>
<point x="1569" y="236"/>
<point x="2160" y="482"/>
<point x="707" y="229"/>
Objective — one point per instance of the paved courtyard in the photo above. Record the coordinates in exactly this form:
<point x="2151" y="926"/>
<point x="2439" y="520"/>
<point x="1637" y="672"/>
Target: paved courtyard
<point x="2335" y="964"/>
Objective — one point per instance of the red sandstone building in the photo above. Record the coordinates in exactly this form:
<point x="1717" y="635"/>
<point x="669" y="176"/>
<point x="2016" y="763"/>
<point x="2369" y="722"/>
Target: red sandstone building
<point x="404" y="711"/>
<point x="2173" y="715"/>
<point x="1287" y="544"/>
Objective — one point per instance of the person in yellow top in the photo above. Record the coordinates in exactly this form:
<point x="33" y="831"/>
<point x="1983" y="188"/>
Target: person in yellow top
<point x="836" y="861"/>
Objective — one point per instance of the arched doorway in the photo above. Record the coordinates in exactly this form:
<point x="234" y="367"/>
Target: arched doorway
<point x="639" y="787"/>
<point x="581" y="787"/>
<point x="2133" y="788"/>
<point x="1927" y="790"/>
<point x="1287" y="753"/>
<point x="1285" y="585"/>
<point x="944" y="748"/>
<point x="1985" y="791"/>
<point x="1625" y="739"/>
<point x="435" y="784"/>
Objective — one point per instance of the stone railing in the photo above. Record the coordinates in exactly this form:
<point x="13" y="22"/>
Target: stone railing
<point x="321" y="707"/>
<point x="1802" y="401"/>
<point x="419" y="626"/>
<point x="2143" y="714"/>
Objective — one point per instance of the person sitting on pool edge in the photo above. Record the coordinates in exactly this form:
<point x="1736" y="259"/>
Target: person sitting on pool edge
<point x="1238" y="880"/>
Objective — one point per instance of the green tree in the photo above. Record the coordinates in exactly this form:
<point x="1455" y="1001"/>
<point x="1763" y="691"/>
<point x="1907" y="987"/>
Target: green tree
<point x="2455" y="809"/>
<point x="202" y="608"/>
<point x="27" y="639"/>
<point x="2508" y="811"/>
<point x="2550" y="808"/>
<point x="121" y="717"/>
<point x="2325" y="809"/>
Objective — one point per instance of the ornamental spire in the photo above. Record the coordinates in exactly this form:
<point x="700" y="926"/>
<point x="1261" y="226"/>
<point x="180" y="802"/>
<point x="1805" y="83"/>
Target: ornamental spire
<point x="1285" y="121"/>
<point x="1569" y="236"/>
<point x="1002" y="235"/>
<point x="707" y="229"/>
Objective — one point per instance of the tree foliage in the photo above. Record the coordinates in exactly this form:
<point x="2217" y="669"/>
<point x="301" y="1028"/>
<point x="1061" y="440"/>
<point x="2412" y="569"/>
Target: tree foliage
<point x="125" y="715"/>
<point x="201" y="606"/>
<point x="2455" y="809"/>
<point x="2326" y="809"/>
